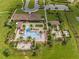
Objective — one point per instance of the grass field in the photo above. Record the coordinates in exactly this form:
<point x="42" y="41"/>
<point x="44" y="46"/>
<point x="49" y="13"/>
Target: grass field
<point x="58" y="51"/>
<point x="5" y="6"/>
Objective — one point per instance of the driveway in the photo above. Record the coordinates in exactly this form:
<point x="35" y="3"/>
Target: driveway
<point x="36" y="7"/>
<point x="57" y="7"/>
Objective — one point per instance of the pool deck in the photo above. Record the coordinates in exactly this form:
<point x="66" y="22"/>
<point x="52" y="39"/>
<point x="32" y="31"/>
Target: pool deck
<point x="41" y="38"/>
<point x="24" y="46"/>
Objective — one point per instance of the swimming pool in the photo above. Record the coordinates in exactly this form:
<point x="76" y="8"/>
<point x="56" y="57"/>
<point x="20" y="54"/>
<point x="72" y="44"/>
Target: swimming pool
<point x="32" y="34"/>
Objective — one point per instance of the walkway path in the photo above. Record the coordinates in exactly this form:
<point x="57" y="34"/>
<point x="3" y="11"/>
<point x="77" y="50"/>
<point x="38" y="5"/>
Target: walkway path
<point x="45" y="14"/>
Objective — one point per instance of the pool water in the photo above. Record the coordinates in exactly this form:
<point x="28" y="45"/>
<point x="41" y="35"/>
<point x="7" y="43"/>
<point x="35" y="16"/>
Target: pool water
<point x="32" y="34"/>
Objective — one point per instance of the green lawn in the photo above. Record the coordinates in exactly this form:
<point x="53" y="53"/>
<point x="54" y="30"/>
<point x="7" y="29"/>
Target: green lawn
<point x="56" y="1"/>
<point x="56" y="52"/>
<point x="31" y="4"/>
<point x="51" y="15"/>
<point x="40" y="12"/>
<point x="40" y="3"/>
<point x="66" y="52"/>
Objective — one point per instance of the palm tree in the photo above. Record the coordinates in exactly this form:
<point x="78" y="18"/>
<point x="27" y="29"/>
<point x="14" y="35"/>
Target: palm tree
<point x="34" y="53"/>
<point x="29" y="39"/>
<point x="49" y="40"/>
<point x="34" y="48"/>
<point x="33" y="45"/>
<point x="31" y="25"/>
<point x="64" y="42"/>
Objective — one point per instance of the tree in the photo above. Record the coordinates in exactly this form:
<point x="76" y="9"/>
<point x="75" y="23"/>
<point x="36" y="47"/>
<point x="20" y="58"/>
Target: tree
<point x="34" y="53"/>
<point x="29" y="38"/>
<point x="6" y="52"/>
<point x="24" y="27"/>
<point x="49" y="24"/>
<point x="31" y="25"/>
<point x="64" y="42"/>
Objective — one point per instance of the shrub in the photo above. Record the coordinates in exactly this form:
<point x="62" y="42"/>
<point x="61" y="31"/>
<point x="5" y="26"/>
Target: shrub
<point x="6" y="52"/>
